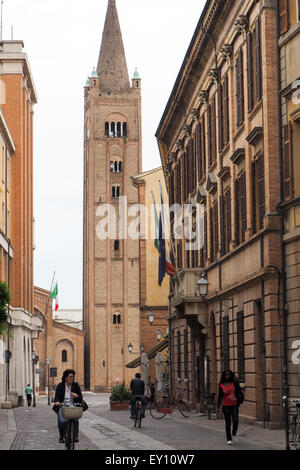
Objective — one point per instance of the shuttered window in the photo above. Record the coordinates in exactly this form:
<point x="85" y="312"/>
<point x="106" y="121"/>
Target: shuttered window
<point x="225" y="221"/>
<point x="241" y="208"/>
<point x="178" y="355"/>
<point x="214" y="130"/>
<point x="258" y="204"/>
<point x="203" y="250"/>
<point x="226" y="110"/>
<point x="239" y="78"/>
<point x="220" y="117"/>
<point x="186" y="355"/>
<point x="178" y="183"/>
<point x="250" y="72"/>
<point x="258" y="61"/>
<point x="171" y="187"/>
<point x="214" y="232"/>
<point x="179" y="253"/>
<point x="209" y="135"/>
<point x="284" y="16"/>
<point x="241" y="346"/>
<point x="288" y="161"/>
<point x="225" y="345"/>
<point x="203" y="147"/>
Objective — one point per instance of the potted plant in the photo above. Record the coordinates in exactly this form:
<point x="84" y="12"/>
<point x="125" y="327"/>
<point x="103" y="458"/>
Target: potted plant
<point x="119" y="398"/>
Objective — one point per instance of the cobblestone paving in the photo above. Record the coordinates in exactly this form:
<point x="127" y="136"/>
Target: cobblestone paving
<point x="37" y="430"/>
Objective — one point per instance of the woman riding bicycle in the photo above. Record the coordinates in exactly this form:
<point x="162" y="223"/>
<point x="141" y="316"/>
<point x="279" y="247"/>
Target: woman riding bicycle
<point x="68" y="393"/>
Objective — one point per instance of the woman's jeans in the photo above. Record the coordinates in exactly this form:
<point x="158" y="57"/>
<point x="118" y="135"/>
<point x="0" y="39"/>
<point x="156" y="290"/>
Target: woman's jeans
<point x="62" y="425"/>
<point x="231" y="413"/>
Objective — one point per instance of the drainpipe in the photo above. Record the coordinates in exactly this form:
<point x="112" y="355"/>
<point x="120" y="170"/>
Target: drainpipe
<point x="282" y="228"/>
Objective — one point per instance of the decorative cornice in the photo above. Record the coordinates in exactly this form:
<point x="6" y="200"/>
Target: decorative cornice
<point x="255" y="135"/>
<point x="187" y="130"/>
<point x="238" y="155"/>
<point x="211" y="186"/>
<point x="172" y="157"/>
<point x="241" y="25"/>
<point x="226" y="52"/>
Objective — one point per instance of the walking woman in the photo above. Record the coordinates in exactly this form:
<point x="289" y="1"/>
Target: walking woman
<point x="230" y="397"/>
<point x="67" y="392"/>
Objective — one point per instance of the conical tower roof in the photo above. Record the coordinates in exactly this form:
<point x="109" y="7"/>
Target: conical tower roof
<point x="112" y="66"/>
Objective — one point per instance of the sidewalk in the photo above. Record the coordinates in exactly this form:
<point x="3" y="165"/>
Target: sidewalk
<point x="8" y="428"/>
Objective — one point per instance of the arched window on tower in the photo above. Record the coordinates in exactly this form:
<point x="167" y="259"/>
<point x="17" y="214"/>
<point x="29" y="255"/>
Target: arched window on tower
<point x="117" y="245"/>
<point x="112" y="129"/>
<point x="124" y="130"/>
<point x="112" y="167"/>
<point x="118" y="129"/>
<point x="107" y="129"/>
<point x="116" y="191"/>
<point x="120" y="167"/>
<point x="64" y="356"/>
<point x="117" y="319"/>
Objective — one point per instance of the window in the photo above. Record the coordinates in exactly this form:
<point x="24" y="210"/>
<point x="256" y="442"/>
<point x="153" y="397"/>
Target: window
<point x="214" y="232"/>
<point x="115" y="129"/>
<point x="107" y="129"/>
<point x="64" y="356"/>
<point x="239" y="85"/>
<point x="287" y="161"/>
<point x="212" y="142"/>
<point x="241" y="346"/>
<point x="119" y="129"/>
<point x="178" y="355"/>
<point x="225" y="221"/>
<point x="117" y="245"/>
<point x="117" y="319"/>
<point x="225" y="345"/>
<point x="283" y="16"/>
<point x="116" y="191"/>
<point x="223" y="114"/>
<point x="258" y="193"/>
<point x="124" y="134"/>
<point x="240" y="208"/>
<point x="254" y="65"/>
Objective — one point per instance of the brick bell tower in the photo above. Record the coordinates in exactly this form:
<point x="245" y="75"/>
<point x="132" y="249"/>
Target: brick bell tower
<point x="112" y="155"/>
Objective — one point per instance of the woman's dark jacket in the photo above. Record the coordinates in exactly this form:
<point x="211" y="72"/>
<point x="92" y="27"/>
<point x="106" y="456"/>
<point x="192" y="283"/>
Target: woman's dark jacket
<point x="238" y="392"/>
<point x="60" y="392"/>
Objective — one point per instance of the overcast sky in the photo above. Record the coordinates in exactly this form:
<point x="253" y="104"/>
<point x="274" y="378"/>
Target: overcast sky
<point x="62" y="39"/>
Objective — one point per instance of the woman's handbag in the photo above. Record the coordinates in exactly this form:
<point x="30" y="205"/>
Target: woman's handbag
<point x="84" y="406"/>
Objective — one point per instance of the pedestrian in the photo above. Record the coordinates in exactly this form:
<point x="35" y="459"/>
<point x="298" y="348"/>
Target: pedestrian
<point x="230" y="397"/>
<point x="67" y="392"/>
<point x="28" y="392"/>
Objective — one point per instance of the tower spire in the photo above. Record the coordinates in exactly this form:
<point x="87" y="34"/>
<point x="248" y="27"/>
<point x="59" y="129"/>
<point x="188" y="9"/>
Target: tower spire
<point x="112" y="66"/>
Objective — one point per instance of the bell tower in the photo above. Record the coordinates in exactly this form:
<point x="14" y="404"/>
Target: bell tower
<point x="112" y="155"/>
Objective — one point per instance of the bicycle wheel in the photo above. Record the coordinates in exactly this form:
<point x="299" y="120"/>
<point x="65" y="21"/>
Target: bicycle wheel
<point x="157" y="409"/>
<point x="72" y="434"/>
<point x="184" y="409"/>
<point x="68" y="436"/>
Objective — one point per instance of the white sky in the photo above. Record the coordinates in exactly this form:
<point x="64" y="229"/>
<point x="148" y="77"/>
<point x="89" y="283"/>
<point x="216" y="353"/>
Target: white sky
<point x="62" y="39"/>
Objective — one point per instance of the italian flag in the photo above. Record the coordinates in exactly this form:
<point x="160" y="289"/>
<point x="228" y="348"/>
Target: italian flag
<point x="54" y="295"/>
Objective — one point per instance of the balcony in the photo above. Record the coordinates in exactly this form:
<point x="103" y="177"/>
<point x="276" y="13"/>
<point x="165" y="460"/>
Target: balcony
<point x="187" y="297"/>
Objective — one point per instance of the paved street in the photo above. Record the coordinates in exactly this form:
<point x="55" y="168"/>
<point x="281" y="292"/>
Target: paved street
<point x="100" y="428"/>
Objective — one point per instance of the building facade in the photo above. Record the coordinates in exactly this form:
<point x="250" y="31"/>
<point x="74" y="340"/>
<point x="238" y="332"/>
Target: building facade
<point x="219" y="145"/>
<point x="18" y="97"/>
<point x="59" y="342"/>
<point x="112" y="154"/>
<point x="288" y="46"/>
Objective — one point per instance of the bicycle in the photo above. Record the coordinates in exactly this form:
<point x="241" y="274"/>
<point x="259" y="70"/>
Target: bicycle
<point x="294" y="424"/>
<point x="160" y="408"/>
<point x="71" y="414"/>
<point x="138" y="413"/>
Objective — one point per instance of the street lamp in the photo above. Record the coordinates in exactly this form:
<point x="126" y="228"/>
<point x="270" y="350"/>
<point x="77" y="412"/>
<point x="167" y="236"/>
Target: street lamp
<point x="48" y="360"/>
<point x="202" y="286"/>
<point x="142" y="347"/>
<point x="35" y="360"/>
<point x="151" y="317"/>
<point x="130" y="348"/>
<point x="158" y="335"/>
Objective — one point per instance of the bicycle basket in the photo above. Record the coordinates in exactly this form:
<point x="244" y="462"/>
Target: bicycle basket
<point x="72" y="413"/>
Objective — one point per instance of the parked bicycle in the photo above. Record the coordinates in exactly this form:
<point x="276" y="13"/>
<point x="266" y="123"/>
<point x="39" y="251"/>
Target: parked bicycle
<point x="294" y="423"/>
<point x="160" y="408"/>
<point x="71" y="413"/>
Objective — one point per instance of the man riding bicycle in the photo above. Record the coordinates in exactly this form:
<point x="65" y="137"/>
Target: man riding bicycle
<point x="137" y="387"/>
